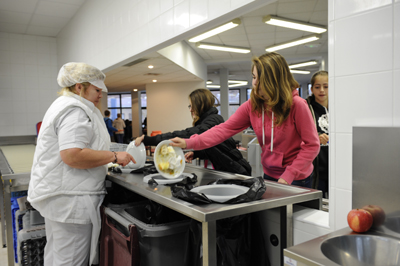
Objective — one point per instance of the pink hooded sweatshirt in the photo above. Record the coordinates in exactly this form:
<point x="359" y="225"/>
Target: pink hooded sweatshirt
<point x="287" y="150"/>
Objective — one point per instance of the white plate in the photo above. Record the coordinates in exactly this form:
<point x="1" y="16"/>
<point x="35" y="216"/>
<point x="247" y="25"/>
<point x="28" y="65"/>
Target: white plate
<point x="138" y="153"/>
<point x="127" y="170"/>
<point x="221" y="193"/>
<point x="178" y="151"/>
<point x="161" y="180"/>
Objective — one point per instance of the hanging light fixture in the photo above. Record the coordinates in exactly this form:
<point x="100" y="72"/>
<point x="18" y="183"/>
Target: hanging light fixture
<point x="308" y="63"/>
<point x="227" y="26"/>
<point x="293" y="24"/>
<point x="304" y="72"/>
<point x="224" y="48"/>
<point x="233" y="83"/>
<point x="292" y="43"/>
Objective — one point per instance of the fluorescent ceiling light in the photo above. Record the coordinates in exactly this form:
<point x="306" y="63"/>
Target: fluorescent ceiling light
<point x="293" y="43"/>
<point x="213" y="86"/>
<point x="309" y="63"/>
<point x="234" y="23"/>
<point x="223" y="48"/>
<point x="233" y="83"/>
<point x="150" y="66"/>
<point x="209" y="82"/>
<point x="305" y="72"/>
<point x="293" y="24"/>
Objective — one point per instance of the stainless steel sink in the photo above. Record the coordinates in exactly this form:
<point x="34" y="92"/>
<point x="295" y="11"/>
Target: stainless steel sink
<point x="362" y="250"/>
<point x="393" y="224"/>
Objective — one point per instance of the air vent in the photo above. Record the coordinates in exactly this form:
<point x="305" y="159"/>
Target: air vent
<point x="136" y="62"/>
<point x="151" y="74"/>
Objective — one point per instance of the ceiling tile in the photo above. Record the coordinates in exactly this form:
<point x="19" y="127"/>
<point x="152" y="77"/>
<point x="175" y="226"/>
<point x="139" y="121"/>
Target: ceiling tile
<point x="56" y="9"/>
<point x="14" y="17"/>
<point x="25" y="6"/>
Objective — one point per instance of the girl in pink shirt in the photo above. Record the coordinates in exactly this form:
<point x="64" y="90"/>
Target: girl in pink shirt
<point x="281" y="121"/>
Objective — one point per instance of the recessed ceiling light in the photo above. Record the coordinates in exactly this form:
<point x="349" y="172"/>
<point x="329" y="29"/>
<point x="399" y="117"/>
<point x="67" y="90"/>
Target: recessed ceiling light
<point x="209" y="82"/>
<point x="293" y="24"/>
<point x="154" y="80"/>
<point x="224" y="48"/>
<point x="150" y="66"/>
<point x="292" y="43"/>
<point x="134" y="89"/>
<point x="309" y="63"/>
<point x="227" y="26"/>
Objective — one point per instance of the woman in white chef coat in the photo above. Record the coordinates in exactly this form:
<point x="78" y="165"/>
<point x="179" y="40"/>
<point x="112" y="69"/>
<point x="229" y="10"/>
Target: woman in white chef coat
<point x="70" y="166"/>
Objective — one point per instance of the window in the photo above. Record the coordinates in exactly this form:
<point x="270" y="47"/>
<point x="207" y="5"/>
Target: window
<point x="120" y="103"/>
<point x="248" y="91"/>
<point x="143" y="101"/>
<point x="234" y="100"/>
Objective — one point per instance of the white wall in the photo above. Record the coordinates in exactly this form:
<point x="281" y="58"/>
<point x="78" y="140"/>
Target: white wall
<point x="364" y="79"/>
<point x="28" y="71"/>
<point x="167" y="105"/>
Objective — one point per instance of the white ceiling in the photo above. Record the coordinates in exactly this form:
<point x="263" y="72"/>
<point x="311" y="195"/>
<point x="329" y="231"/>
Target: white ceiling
<point x="47" y="18"/>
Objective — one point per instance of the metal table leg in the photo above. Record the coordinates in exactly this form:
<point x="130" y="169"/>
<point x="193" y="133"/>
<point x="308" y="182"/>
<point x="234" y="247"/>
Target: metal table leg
<point x="2" y="214"/>
<point x="289" y="225"/>
<point x="209" y="235"/>
<point x="10" y="239"/>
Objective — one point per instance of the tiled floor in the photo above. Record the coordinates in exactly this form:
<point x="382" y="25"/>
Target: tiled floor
<point x="3" y="253"/>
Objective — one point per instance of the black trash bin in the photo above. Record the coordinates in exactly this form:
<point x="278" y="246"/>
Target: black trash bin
<point x="162" y="233"/>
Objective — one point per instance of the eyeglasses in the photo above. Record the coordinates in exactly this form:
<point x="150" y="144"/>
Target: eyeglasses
<point x="189" y="106"/>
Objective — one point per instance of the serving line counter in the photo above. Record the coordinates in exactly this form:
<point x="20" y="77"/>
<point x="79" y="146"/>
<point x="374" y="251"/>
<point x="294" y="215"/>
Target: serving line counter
<point x="15" y="177"/>
<point x="279" y="196"/>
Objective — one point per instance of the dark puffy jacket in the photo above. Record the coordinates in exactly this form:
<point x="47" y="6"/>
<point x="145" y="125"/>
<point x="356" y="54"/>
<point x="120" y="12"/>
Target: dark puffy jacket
<point x="321" y="169"/>
<point x="224" y="157"/>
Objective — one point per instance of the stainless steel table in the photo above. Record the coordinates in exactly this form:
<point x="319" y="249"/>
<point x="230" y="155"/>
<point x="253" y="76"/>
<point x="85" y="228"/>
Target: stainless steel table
<point x="277" y="196"/>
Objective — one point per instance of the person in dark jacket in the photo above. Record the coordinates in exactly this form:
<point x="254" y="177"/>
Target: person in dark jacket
<point x="108" y="122"/>
<point x="318" y="104"/>
<point x="225" y="156"/>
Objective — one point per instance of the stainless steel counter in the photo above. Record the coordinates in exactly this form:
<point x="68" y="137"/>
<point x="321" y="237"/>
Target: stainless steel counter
<point x="335" y="249"/>
<point x="276" y="196"/>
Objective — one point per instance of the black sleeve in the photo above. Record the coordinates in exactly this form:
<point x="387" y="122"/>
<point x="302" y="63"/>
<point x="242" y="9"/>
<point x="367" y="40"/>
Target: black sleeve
<point x="185" y="134"/>
<point x="200" y="154"/>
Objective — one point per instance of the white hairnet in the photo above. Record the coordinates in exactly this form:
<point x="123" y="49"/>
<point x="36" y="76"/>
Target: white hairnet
<point x="72" y="73"/>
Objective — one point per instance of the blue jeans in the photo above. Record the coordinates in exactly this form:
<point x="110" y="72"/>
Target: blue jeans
<point x="306" y="182"/>
<point x="119" y="138"/>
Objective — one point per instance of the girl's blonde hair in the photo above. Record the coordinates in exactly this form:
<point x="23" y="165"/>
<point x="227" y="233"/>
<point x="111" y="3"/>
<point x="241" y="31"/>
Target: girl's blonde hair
<point x="276" y="80"/>
<point x="202" y="100"/>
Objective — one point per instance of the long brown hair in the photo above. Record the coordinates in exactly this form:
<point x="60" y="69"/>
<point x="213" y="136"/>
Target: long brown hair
<point x="202" y="100"/>
<point x="276" y="80"/>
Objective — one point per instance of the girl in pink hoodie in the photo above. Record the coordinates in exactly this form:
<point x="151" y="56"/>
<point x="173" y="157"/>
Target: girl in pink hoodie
<point x="281" y="121"/>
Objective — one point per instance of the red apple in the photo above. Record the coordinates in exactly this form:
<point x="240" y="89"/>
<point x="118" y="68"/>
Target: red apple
<point x="378" y="214"/>
<point x="359" y="220"/>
